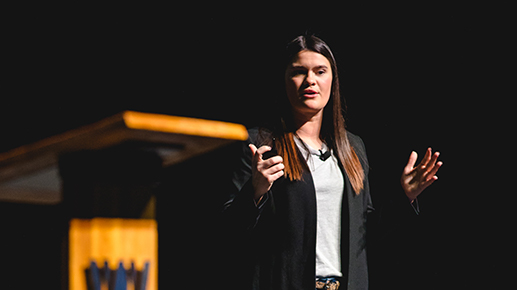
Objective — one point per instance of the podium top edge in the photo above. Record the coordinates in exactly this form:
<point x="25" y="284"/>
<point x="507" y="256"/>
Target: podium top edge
<point x="184" y="125"/>
<point x="136" y="121"/>
<point x="30" y="173"/>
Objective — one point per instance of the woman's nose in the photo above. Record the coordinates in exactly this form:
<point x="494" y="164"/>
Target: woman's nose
<point x="309" y="79"/>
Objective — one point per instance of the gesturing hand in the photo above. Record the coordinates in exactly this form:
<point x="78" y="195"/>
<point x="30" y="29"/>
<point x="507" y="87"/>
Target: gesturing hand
<point x="415" y="179"/>
<point x="264" y="172"/>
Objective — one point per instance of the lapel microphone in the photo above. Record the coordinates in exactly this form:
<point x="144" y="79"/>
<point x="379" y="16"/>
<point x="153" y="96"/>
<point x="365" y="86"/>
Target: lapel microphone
<point x="324" y="156"/>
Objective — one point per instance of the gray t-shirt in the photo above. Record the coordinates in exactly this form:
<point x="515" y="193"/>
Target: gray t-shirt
<point x="329" y="186"/>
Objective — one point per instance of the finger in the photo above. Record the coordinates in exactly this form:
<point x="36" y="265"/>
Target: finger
<point x="429" y="182"/>
<point x="273" y="160"/>
<point x="426" y="158"/>
<point x="276" y="176"/>
<point x="257" y="153"/>
<point x="263" y="149"/>
<point x="433" y="172"/>
<point x="431" y="164"/>
<point x="274" y="169"/>
<point x="411" y="162"/>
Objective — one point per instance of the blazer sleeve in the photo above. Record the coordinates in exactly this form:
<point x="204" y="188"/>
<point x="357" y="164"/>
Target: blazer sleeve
<point x="240" y="210"/>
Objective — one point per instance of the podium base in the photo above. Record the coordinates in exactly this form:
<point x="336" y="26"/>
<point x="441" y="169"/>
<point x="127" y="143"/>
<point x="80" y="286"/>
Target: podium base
<point x="113" y="240"/>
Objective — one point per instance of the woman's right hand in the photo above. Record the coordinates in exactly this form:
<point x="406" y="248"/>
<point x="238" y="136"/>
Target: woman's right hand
<point x="264" y="172"/>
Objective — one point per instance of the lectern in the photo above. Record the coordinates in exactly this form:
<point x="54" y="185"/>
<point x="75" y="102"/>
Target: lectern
<point x="103" y="175"/>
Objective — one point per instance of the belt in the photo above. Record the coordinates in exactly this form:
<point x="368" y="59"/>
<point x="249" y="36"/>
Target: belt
<point x="327" y="283"/>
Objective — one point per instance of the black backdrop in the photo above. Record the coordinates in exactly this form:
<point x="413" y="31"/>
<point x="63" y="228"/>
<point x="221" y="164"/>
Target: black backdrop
<point x="413" y="75"/>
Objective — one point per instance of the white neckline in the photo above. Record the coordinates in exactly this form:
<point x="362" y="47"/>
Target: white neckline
<point x="302" y="145"/>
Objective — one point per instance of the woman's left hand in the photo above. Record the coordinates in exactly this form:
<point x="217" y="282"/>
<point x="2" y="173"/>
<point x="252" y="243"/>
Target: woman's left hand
<point x="415" y="179"/>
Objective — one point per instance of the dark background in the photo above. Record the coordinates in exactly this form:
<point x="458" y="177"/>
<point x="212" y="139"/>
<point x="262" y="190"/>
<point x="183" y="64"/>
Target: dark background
<point x="413" y="75"/>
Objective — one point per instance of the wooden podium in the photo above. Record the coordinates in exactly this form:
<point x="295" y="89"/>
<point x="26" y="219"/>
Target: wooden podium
<point x="103" y="176"/>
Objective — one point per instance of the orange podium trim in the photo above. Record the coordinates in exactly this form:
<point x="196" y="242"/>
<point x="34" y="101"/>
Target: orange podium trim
<point x="183" y="125"/>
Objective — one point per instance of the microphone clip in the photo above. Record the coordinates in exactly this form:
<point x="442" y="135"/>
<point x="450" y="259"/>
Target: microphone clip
<point x="324" y="156"/>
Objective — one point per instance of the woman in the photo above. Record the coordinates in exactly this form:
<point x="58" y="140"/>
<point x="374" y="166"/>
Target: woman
<point x="303" y="208"/>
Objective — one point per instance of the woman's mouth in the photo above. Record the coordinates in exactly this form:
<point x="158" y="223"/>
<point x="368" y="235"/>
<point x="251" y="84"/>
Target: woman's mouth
<point x="308" y="93"/>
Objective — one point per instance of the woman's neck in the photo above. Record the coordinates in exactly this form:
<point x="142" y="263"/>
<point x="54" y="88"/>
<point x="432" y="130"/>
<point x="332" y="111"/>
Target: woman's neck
<point x="309" y="128"/>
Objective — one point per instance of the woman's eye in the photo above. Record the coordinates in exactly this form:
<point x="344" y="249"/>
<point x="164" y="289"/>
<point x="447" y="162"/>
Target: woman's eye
<point x="320" y="72"/>
<point x="297" y="73"/>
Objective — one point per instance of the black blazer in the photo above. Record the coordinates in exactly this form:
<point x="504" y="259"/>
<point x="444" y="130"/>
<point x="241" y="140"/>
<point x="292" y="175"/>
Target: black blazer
<point x="278" y="238"/>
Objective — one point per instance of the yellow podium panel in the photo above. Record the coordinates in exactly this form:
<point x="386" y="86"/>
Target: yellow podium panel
<point x="115" y="241"/>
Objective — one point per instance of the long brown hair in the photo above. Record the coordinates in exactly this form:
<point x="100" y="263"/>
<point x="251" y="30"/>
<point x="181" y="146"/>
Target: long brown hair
<point x="333" y="131"/>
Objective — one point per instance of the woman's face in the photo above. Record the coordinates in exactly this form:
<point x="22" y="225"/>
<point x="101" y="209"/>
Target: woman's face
<point x="308" y="82"/>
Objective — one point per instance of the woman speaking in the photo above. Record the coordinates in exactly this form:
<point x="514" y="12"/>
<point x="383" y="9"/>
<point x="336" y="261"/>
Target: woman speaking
<point x="302" y="193"/>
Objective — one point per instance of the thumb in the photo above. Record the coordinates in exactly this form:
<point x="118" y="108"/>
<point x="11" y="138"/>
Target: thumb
<point x="253" y="149"/>
<point x="411" y="162"/>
